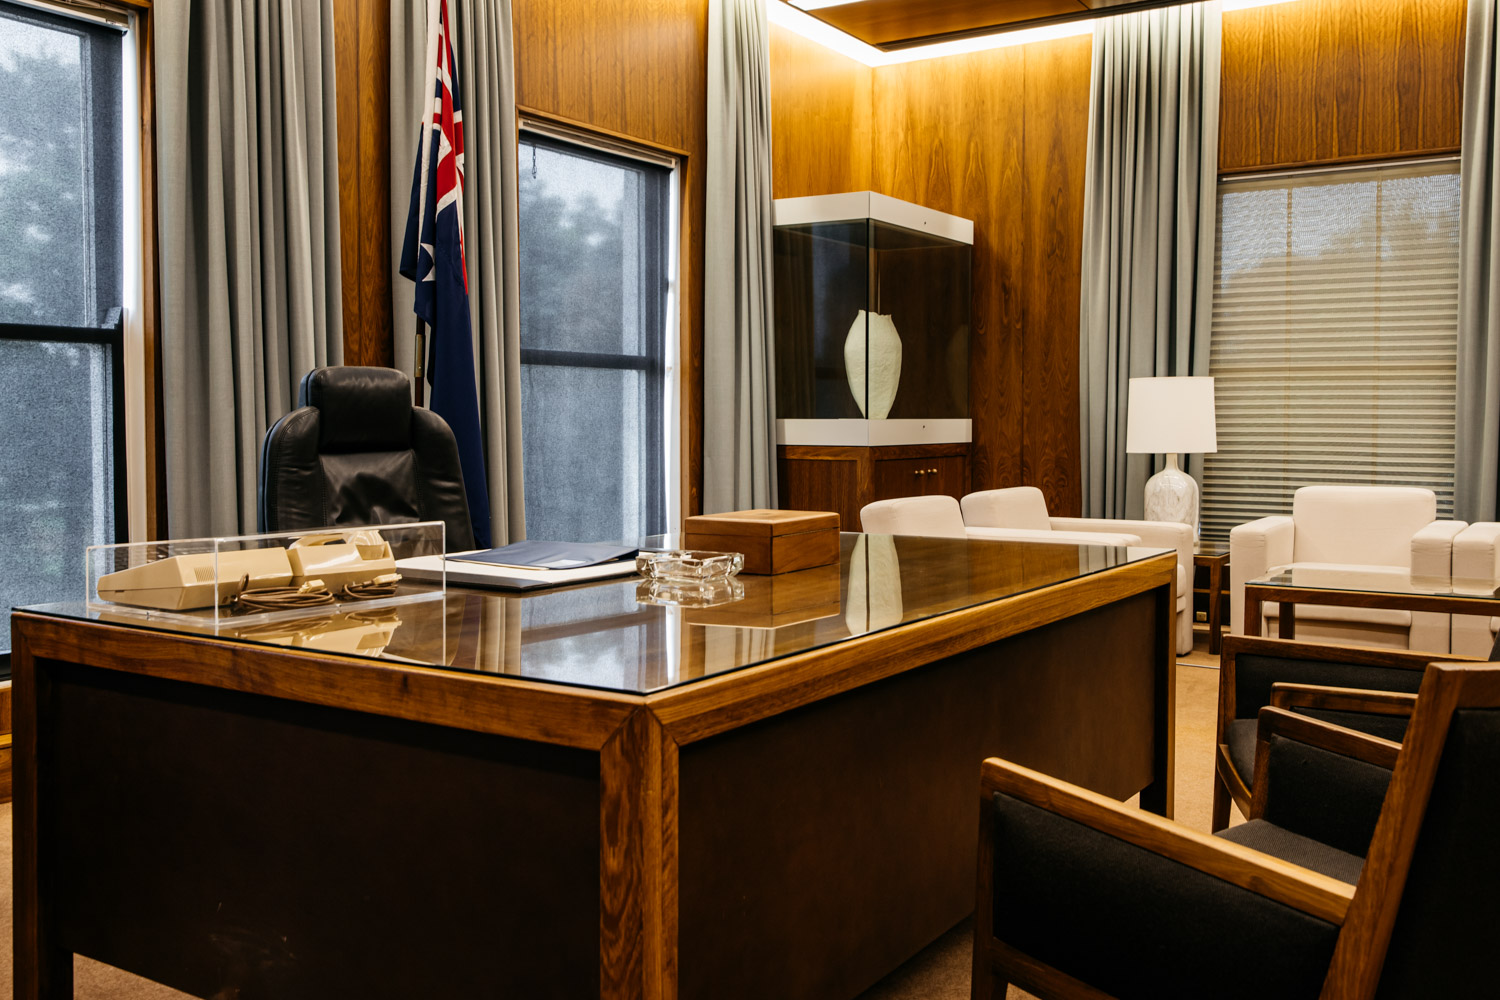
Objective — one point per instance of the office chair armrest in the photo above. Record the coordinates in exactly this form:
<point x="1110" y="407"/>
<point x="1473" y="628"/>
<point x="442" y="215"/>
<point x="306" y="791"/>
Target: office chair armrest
<point x="1307" y="891"/>
<point x="1336" y="699"/>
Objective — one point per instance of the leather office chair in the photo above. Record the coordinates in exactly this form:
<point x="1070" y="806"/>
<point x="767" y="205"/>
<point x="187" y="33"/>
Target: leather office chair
<point x="1081" y="896"/>
<point x="1021" y="513"/>
<point x="355" y="452"/>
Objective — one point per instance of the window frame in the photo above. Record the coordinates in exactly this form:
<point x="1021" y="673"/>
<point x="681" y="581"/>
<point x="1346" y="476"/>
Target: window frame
<point x="1381" y="170"/>
<point x="573" y="139"/>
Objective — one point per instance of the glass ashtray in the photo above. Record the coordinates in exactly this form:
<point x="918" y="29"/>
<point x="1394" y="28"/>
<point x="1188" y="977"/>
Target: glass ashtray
<point x="690" y="593"/>
<point x="688" y="564"/>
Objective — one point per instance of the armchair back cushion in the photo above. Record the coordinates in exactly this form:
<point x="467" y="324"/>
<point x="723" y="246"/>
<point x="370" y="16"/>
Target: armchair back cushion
<point x="934" y="515"/>
<point x="1363" y="525"/>
<point x="1015" y="507"/>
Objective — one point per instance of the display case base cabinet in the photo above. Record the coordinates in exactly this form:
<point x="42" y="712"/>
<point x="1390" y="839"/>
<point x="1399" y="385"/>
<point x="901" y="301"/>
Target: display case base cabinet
<point x="743" y="840"/>
<point x="814" y="477"/>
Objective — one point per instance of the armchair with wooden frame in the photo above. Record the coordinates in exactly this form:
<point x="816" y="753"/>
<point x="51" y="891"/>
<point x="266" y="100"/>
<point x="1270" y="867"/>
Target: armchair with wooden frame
<point x="1079" y="896"/>
<point x="1250" y="665"/>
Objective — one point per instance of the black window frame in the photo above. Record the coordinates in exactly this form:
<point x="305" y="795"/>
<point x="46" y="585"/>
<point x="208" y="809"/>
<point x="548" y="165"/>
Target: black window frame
<point x="656" y="248"/>
<point x="104" y="45"/>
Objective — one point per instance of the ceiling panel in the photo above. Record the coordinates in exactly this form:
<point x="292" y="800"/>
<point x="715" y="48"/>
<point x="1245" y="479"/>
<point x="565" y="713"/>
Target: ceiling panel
<point x="894" y="24"/>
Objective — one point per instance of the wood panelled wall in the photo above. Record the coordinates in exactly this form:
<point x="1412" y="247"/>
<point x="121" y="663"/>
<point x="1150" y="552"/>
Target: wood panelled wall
<point x="1321" y="81"/>
<point x="1001" y="137"/>
<point x="362" y="51"/>
<point x="997" y="137"/>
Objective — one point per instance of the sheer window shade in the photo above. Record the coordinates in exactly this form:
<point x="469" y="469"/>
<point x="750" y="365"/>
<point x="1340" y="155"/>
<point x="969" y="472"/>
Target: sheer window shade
<point x="1334" y="336"/>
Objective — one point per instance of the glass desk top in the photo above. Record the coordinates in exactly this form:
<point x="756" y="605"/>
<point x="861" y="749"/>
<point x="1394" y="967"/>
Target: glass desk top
<point x="1374" y="580"/>
<point x="599" y="635"/>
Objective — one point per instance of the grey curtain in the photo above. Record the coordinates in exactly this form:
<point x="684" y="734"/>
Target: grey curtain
<point x="486" y="67"/>
<point x="739" y="406"/>
<point x="248" y="233"/>
<point x="1476" y="462"/>
<point x="1148" y="230"/>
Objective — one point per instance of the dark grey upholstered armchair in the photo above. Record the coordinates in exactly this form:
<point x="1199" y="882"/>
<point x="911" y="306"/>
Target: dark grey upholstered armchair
<point x="1079" y="896"/>
<point x="1250" y="665"/>
<point x="357" y="452"/>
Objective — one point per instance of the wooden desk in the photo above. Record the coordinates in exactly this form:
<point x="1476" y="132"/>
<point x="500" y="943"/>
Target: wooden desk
<point x="571" y="794"/>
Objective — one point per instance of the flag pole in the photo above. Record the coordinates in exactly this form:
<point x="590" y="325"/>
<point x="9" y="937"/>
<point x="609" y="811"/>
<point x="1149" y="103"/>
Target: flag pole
<point x="420" y="369"/>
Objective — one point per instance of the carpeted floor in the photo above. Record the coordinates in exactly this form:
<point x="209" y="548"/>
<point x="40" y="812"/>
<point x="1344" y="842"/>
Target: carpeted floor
<point x="939" y="972"/>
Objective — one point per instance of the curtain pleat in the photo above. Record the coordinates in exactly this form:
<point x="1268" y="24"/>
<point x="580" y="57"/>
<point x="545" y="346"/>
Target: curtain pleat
<point x="486" y="69"/>
<point x="1148" y="242"/>
<point x="739" y="408"/>
<point x="1477" y="416"/>
<point x="248" y="233"/>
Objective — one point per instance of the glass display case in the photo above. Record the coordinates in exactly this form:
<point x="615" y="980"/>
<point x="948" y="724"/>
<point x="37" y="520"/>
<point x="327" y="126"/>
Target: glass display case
<point x="872" y="321"/>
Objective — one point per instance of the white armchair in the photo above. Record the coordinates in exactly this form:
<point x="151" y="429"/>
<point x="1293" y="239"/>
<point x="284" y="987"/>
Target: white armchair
<point x="1476" y="557"/>
<point x="1020" y="512"/>
<point x="1358" y="527"/>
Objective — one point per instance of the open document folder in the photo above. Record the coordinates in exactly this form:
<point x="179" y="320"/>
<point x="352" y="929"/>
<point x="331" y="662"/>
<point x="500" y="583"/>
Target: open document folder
<point x="526" y="565"/>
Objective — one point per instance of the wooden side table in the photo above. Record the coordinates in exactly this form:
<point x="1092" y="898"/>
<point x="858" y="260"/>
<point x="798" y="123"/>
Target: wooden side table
<point x="1214" y="555"/>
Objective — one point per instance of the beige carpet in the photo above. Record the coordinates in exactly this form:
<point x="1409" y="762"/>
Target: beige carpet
<point x="939" y="972"/>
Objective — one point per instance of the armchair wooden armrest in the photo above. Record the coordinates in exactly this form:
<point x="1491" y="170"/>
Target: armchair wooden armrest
<point x="1267" y="880"/>
<point x="1348" y="743"/>
<point x="1332" y="699"/>
<point x="1305" y="890"/>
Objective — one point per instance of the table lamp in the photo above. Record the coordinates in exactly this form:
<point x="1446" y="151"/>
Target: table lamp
<point x="1171" y="416"/>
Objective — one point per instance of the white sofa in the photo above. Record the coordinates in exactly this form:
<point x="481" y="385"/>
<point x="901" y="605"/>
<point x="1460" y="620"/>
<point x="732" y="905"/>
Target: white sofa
<point x="1021" y="512"/>
<point x="1476" y="563"/>
<point x="1358" y="527"/>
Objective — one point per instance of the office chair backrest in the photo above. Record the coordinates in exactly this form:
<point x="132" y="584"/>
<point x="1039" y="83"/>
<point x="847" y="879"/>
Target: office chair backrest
<point x="357" y="452"/>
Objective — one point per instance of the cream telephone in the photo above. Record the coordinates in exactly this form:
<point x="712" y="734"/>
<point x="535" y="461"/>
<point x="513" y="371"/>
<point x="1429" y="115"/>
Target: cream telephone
<point x="331" y="560"/>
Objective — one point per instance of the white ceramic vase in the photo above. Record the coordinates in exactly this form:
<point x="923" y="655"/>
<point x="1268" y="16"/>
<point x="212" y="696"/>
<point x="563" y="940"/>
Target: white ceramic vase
<point x="880" y="371"/>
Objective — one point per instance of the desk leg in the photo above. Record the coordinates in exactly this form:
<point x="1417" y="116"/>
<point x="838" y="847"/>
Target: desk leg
<point x="1158" y="796"/>
<point x="42" y="970"/>
<point x="1286" y="621"/>
<point x="1215" y="599"/>
<point x="638" y="862"/>
<point x="1252" y="613"/>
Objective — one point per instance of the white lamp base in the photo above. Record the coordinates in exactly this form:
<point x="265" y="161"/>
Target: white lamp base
<point x="1172" y="495"/>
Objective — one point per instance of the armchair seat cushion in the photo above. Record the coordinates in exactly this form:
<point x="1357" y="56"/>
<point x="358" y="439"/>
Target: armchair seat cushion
<point x="1268" y="838"/>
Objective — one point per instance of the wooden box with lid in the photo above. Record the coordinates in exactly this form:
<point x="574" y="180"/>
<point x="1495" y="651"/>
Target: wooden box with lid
<point x="773" y="541"/>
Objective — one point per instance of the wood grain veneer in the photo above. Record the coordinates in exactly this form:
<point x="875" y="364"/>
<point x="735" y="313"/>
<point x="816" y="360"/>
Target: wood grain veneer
<point x="363" y="83"/>
<point x="1333" y="80"/>
<point x="821" y="130"/>
<point x="495" y="705"/>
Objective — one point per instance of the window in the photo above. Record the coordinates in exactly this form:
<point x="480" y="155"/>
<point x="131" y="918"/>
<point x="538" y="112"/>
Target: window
<point x="595" y="239"/>
<point x="1334" y="339"/>
<point x="60" y="301"/>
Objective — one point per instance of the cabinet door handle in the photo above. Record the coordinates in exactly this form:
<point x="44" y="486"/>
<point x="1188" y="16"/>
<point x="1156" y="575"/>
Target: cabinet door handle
<point x="919" y="472"/>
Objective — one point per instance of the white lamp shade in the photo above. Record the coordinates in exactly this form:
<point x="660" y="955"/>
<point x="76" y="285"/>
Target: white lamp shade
<point x="1173" y="415"/>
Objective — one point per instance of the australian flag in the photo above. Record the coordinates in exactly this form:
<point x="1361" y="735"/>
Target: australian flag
<point x="433" y="257"/>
